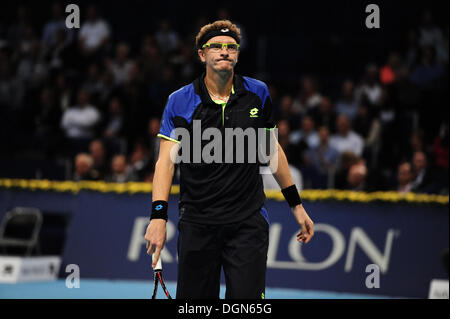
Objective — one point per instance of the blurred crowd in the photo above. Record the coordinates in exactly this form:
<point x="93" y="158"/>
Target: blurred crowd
<point x="79" y="94"/>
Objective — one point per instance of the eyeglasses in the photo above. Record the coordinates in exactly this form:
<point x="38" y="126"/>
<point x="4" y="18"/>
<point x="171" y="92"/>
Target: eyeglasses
<point x="216" y="47"/>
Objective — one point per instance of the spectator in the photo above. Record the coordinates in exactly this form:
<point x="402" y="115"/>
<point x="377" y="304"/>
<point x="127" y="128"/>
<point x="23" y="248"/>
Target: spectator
<point x="357" y="177"/>
<point x="93" y="83"/>
<point x="286" y="112"/>
<point x="294" y="151"/>
<point x="64" y="93"/>
<point x="99" y="159"/>
<point x="325" y="115"/>
<point x="369" y="128"/>
<point x="52" y="28"/>
<point x="440" y="149"/>
<point x="142" y="162"/>
<point x="83" y="168"/>
<point x="80" y="122"/>
<point x="309" y="98"/>
<point x="431" y="35"/>
<point x="346" y="139"/>
<point x="427" y="74"/>
<point x="370" y="86"/>
<point x="404" y="178"/>
<point x="346" y="160"/>
<point x="320" y="161"/>
<point x="120" y="67"/>
<point x="347" y="104"/>
<point x="424" y="179"/>
<point x="306" y="133"/>
<point x="121" y="172"/>
<point x="166" y="37"/>
<point x="94" y="33"/>
<point x="388" y="73"/>
<point x="114" y="119"/>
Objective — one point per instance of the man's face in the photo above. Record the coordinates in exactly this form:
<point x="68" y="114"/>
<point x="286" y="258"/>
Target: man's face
<point x="404" y="173"/>
<point x="343" y="124"/>
<point x="419" y="161"/>
<point x="222" y="60"/>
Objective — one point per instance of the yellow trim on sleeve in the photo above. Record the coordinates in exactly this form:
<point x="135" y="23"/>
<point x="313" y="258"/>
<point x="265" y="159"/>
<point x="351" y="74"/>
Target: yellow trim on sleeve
<point x="168" y="138"/>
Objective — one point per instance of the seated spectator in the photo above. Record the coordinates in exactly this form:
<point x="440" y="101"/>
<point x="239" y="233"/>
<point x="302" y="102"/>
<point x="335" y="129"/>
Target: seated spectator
<point x="357" y="177"/>
<point x="286" y="112"/>
<point x="141" y="162"/>
<point x="306" y="133"/>
<point x="79" y="123"/>
<point x="370" y="86"/>
<point x="325" y="115"/>
<point x="320" y="161"/>
<point x="346" y="160"/>
<point x="93" y="84"/>
<point x="83" y="168"/>
<point x="120" y="171"/>
<point x="114" y="119"/>
<point x="51" y="28"/>
<point x="427" y="74"/>
<point x="347" y="104"/>
<point x="309" y="98"/>
<point x="345" y="139"/>
<point x="80" y="120"/>
<point x="369" y="128"/>
<point x="404" y="178"/>
<point x="94" y="33"/>
<point x="294" y="151"/>
<point x="424" y="178"/>
<point x="166" y="37"/>
<point x="99" y="157"/>
<point x="388" y="73"/>
<point x="121" y="65"/>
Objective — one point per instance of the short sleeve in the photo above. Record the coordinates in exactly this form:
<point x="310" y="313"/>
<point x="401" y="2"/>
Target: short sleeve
<point x="167" y="129"/>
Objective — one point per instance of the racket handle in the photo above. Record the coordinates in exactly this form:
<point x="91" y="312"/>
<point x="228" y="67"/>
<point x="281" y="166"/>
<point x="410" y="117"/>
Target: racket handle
<point x="158" y="264"/>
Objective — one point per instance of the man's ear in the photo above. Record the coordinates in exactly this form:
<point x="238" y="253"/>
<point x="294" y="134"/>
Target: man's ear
<point x="201" y="55"/>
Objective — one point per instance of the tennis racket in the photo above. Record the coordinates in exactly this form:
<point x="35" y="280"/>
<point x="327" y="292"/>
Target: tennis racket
<point x="158" y="279"/>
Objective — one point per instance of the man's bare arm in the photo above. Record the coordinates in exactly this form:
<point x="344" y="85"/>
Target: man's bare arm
<point x="162" y="181"/>
<point x="282" y="175"/>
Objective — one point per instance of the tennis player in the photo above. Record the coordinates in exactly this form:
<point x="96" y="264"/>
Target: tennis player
<point x="223" y="222"/>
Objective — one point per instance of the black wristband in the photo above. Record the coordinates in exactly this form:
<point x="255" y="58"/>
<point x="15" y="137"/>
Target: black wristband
<point x="159" y="210"/>
<point x="291" y="195"/>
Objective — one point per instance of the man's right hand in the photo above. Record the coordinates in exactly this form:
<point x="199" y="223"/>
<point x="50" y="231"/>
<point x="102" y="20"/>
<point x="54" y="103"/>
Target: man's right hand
<point x="156" y="237"/>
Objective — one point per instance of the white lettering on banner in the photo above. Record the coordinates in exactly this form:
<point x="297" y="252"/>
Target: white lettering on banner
<point x="294" y="250"/>
<point x="358" y="236"/>
<point x="137" y="239"/>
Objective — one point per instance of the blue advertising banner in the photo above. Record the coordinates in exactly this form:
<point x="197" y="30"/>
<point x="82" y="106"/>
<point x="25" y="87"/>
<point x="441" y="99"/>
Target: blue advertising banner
<point x="353" y="243"/>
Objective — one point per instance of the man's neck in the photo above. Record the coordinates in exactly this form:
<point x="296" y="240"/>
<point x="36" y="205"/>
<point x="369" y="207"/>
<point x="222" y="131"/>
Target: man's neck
<point x="219" y="83"/>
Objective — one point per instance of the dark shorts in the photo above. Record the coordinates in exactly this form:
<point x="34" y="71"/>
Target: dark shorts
<point x="239" y="248"/>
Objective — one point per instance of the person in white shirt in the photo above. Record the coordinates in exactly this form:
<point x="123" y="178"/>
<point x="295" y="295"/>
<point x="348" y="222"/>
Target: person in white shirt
<point x="94" y="33"/>
<point x="79" y="122"/>
<point x="346" y="139"/>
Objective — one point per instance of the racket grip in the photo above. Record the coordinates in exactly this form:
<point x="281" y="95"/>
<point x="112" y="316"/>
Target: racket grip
<point x="158" y="264"/>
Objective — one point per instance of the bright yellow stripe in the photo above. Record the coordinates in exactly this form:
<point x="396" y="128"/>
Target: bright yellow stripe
<point x="146" y="188"/>
<point x="168" y="138"/>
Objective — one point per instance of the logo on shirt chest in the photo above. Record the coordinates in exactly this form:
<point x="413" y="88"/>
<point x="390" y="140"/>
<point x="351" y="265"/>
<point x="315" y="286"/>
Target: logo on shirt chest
<point x="254" y="112"/>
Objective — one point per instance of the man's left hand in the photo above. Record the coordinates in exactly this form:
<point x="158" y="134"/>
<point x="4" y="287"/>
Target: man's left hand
<point x="306" y="224"/>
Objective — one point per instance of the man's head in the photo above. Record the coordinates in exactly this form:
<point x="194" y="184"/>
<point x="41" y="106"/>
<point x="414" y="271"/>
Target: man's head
<point x="307" y="124"/>
<point x="324" y="134"/>
<point x="83" y="98"/>
<point x="343" y="124"/>
<point x="419" y="161"/>
<point x="83" y="164"/>
<point x="119" y="164"/>
<point x="218" y="45"/>
<point x="97" y="151"/>
<point x="357" y="174"/>
<point x="404" y="173"/>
